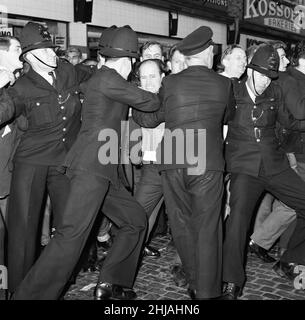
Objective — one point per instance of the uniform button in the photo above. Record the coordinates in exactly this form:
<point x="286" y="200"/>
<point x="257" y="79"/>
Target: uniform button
<point x="64" y="118"/>
<point x="258" y="140"/>
<point x="59" y="96"/>
<point x="235" y="107"/>
<point x="254" y="107"/>
<point x="37" y="103"/>
<point x="227" y="142"/>
<point x="64" y="129"/>
<point x="64" y="139"/>
<point x="76" y="92"/>
<point x="62" y="107"/>
<point x="271" y="108"/>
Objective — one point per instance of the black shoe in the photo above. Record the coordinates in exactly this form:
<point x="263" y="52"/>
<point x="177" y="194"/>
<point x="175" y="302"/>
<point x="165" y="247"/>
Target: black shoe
<point x="230" y="291"/>
<point x="285" y="270"/>
<point x="151" y="252"/>
<point x="179" y="276"/>
<point x="191" y="293"/>
<point x="261" y="253"/>
<point x="108" y="291"/>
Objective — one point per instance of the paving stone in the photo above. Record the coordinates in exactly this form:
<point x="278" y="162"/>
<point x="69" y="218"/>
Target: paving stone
<point x="270" y="296"/>
<point x="154" y="280"/>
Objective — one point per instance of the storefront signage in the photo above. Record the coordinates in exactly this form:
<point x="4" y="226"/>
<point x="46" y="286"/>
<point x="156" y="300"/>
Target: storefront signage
<point x="6" y="31"/>
<point x="270" y="14"/>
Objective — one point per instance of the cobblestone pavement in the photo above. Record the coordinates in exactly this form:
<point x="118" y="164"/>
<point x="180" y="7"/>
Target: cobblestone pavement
<point x="154" y="281"/>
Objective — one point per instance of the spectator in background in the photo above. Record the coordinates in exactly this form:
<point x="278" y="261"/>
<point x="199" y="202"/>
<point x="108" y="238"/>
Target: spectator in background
<point x="74" y="55"/>
<point x="151" y="50"/>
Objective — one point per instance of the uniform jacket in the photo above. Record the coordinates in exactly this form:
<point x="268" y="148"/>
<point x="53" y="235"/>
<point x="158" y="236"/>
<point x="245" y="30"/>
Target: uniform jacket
<point x="107" y="96"/>
<point x="53" y="115"/>
<point x="195" y="98"/>
<point x="251" y="139"/>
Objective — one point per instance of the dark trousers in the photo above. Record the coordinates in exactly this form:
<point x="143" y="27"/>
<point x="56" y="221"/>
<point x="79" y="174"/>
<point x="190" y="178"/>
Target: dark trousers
<point x="149" y="193"/>
<point x="48" y="276"/>
<point x="245" y="191"/>
<point x="27" y="194"/>
<point x="194" y="204"/>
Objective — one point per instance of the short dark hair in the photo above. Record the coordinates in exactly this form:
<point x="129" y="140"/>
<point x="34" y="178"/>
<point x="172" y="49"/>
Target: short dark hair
<point x="298" y="53"/>
<point x="5" y="42"/>
<point x="148" y="44"/>
<point x="225" y="53"/>
<point x="172" y="51"/>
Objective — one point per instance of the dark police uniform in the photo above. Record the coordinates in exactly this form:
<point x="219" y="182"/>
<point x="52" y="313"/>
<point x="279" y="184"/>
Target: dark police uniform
<point x="107" y="97"/>
<point x="257" y="164"/>
<point x="196" y="98"/>
<point x="53" y="116"/>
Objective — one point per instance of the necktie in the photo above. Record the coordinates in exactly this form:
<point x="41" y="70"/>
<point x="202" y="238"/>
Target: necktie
<point x="53" y="79"/>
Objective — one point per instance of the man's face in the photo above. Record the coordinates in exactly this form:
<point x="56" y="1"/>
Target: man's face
<point x="177" y="62"/>
<point x="261" y="81"/>
<point x="283" y="60"/>
<point x="47" y="55"/>
<point x="11" y="56"/>
<point x="73" y="58"/>
<point x="235" y="63"/>
<point x="150" y="77"/>
<point x="152" y="52"/>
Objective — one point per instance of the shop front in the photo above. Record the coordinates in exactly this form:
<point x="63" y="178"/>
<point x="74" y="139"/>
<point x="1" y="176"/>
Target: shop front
<point x="269" y="20"/>
<point x="12" y="25"/>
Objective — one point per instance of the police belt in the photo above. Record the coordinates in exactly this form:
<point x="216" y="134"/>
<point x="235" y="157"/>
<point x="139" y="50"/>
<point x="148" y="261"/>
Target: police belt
<point x="248" y="135"/>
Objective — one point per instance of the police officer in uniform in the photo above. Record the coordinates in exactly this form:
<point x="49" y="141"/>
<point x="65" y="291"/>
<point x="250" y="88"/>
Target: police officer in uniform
<point x="256" y="164"/>
<point x="95" y="184"/>
<point x="195" y="99"/>
<point x="48" y="97"/>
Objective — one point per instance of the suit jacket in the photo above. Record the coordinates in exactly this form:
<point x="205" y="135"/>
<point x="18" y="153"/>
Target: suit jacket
<point x="107" y="96"/>
<point x="194" y="100"/>
<point x="251" y="140"/>
<point x="53" y="115"/>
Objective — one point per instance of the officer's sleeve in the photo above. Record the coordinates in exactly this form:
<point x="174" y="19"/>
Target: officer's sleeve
<point x="19" y="105"/>
<point x="230" y="108"/>
<point x="294" y="98"/>
<point x="150" y="119"/>
<point x="284" y="117"/>
<point x="7" y="108"/>
<point x="117" y="88"/>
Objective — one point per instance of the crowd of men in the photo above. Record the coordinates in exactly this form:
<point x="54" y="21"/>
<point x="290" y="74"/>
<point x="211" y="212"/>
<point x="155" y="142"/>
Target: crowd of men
<point x="212" y="145"/>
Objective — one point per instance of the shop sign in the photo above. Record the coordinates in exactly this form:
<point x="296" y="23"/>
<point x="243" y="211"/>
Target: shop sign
<point x="270" y="14"/>
<point x="61" y="42"/>
<point x="4" y="31"/>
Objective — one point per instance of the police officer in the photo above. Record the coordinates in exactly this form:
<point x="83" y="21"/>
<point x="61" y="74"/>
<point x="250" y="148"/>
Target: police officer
<point x="95" y="182"/>
<point x="48" y="97"/>
<point x="195" y="100"/>
<point x="256" y="164"/>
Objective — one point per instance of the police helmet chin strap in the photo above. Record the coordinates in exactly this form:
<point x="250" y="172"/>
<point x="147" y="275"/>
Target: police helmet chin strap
<point x="43" y="61"/>
<point x="253" y="84"/>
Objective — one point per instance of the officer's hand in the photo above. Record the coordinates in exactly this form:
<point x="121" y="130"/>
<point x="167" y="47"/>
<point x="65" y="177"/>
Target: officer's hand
<point x="6" y="77"/>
